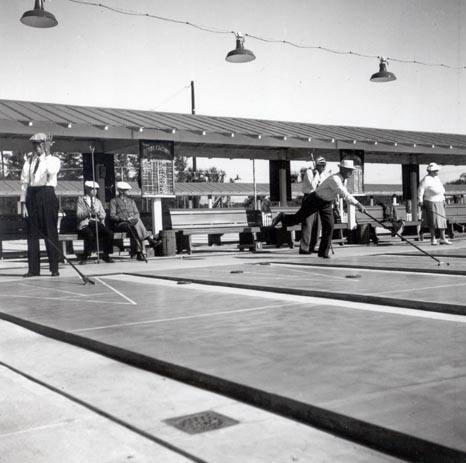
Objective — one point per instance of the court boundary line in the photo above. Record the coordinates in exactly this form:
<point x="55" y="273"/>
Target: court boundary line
<point x="381" y="439"/>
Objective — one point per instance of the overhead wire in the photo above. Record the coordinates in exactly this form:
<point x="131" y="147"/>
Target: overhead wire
<point x="261" y="39"/>
<point x="170" y="97"/>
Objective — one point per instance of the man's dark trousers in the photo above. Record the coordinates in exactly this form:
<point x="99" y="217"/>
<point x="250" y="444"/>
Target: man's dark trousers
<point x="134" y="246"/>
<point x="88" y="234"/>
<point x="42" y="208"/>
<point x="311" y="204"/>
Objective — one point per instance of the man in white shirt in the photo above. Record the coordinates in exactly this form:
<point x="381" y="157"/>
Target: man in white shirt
<point x="39" y="204"/>
<point x="321" y="201"/>
<point x="310" y="228"/>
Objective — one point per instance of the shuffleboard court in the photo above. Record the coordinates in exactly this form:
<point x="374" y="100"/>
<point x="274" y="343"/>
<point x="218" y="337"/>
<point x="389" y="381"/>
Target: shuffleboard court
<point x="424" y="291"/>
<point x="394" y="379"/>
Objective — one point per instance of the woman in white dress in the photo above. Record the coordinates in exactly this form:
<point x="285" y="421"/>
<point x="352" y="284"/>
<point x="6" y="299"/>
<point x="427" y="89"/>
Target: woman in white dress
<point x="431" y="197"/>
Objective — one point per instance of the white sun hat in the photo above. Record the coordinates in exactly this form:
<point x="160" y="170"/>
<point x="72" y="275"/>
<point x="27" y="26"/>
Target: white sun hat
<point x="91" y="184"/>
<point x="123" y="186"/>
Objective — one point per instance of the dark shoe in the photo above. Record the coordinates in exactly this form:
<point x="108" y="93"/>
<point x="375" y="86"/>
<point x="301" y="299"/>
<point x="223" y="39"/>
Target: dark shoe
<point x="302" y="251"/>
<point x="140" y="256"/>
<point x="324" y="257"/>
<point x="277" y="219"/>
<point x="56" y="274"/>
<point x="153" y="243"/>
<point x="397" y="227"/>
<point x="108" y="259"/>
<point x="31" y="274"/>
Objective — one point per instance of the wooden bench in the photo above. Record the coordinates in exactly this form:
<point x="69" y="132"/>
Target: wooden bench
<point x="366" y="226"/>
<point x="282" y="235"/>
<point x="456" y="218"/>
<point x="13" y="228"/>
<point x="401" y="214"/>
<point x="215" y="223"/>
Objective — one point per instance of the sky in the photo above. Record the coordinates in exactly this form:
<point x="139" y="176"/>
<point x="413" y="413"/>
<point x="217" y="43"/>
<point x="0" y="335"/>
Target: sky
<point x="99" y="58"/>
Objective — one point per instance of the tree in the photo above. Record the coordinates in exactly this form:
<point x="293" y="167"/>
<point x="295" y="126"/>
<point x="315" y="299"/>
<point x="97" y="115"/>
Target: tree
<point x="71" y="166"/>
<point x="181" y="166"/>
<point x="12" y="165"/>
<point x="459" y="181"/>
<point x="126" y="166"/>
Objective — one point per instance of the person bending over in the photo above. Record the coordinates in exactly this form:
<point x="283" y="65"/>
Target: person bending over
<point x="321" y="201"/>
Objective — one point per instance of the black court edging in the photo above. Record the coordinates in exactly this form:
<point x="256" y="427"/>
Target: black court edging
<point x="106" y="415"/>
<point x="425" y="306"/>
<point x="385" y="269"/>
<point x="391" y="442"/>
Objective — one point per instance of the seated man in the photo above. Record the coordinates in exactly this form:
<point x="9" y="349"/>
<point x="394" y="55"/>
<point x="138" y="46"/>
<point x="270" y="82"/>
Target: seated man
<point x="91" y="216"/>
<point x="125" y="217"/>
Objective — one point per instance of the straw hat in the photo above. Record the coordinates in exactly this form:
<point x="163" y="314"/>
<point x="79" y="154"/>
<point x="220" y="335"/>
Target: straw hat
<point x="347" y="164"/>
<point x="433" y="167"/>
<point x="123" y="186"/>
<point x="91" y="184"/>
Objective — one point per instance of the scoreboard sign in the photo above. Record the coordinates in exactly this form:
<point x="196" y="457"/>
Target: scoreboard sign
<point x="157" y="168"/>
<point x="355" y="183"/>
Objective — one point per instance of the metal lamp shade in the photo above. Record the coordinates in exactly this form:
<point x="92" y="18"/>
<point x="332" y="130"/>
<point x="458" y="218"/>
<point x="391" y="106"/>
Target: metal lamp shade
<point x="38" y="17"/>
<point x="383" y="75"/>
<point x="240" y="54"/>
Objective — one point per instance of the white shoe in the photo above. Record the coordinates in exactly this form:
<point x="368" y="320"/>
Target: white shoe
<point x="433" y="242"/>
<point x="445" y="241"/>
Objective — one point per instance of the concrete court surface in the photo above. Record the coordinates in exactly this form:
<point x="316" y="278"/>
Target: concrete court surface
<point x="409" y="377"/>
<point x="78" y="406"/>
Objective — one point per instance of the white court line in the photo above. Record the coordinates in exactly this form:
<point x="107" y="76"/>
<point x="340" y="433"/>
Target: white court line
<point x="116" y="291"/>
<point x="35" y="429"/>
<point x="64" y="299"/>
<point x="312" y="272"/>
<point x="54" y="289"/>
<point x="186" y="317"/>
<point x="321" y="301"/>
<point x="421" y="288"/>
<point x="370" y="270"/>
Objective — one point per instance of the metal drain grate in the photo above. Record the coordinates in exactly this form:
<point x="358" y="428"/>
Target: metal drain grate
<point x="201" y="422"/>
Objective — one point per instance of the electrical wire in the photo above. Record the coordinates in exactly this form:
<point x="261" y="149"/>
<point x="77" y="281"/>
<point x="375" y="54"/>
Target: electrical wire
<point x="262" y="39"/>
<point x="169" y="98"/>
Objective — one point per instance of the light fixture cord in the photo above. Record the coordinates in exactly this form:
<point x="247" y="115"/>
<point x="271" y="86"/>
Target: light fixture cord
<point x="261" y="39"/>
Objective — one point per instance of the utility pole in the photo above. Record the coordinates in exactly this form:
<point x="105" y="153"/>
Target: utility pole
<point x="193" y="111"/>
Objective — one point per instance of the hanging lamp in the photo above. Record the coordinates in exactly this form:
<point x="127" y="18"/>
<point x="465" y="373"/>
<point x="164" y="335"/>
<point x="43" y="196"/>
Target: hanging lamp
<point x="38" y="17"/>
<point x="383" y="75"/>
<point x="240" y="54"/>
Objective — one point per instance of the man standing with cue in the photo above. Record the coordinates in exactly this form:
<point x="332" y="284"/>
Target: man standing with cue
<point x="311" y="178"/>
<point x="39" y="204"/>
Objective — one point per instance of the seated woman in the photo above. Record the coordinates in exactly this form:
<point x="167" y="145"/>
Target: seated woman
<point x="91" y="216"/>
<point x="125" y="217"/>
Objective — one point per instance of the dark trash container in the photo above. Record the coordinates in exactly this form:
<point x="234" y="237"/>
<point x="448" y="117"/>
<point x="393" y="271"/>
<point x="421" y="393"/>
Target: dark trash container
<point x="168" y="246"/>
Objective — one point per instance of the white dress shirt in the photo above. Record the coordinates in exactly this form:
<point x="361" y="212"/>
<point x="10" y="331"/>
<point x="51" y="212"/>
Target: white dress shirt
<point x="306" y="181"/>
<point x="431" y="189"/>
<point x="311" y="180"/>
<point x="39" y="171"/>
<point x="334" y="186"/>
